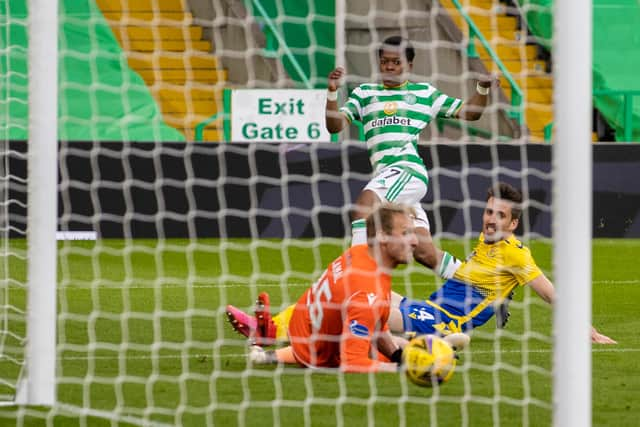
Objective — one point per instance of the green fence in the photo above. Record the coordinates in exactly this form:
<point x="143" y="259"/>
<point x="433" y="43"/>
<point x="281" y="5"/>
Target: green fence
<point x="475" y="33"/>
<point x="627" y="112"/>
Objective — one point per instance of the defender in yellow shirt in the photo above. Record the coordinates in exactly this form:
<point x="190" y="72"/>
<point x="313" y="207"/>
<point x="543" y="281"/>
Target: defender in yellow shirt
<point x="485" y="281"/>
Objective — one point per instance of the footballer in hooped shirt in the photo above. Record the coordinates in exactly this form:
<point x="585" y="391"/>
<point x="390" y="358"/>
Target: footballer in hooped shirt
<point x="393" y="112"/>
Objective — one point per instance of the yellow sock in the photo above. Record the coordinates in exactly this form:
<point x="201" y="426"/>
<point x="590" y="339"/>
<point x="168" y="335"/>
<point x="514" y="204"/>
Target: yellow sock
<point x="282" y="323"/>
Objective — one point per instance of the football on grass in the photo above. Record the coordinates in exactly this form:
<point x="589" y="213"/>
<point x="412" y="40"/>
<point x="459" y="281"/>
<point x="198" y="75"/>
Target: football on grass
<point x="428" y="360"/>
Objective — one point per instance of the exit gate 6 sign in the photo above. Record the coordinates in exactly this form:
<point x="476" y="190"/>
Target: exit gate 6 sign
<point x="270" y="115"/>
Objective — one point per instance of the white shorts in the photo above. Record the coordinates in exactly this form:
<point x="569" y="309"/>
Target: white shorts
<point x="399" y="186"/>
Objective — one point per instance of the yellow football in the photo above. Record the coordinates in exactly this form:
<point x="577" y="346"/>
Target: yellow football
<point x="428" y="360"/>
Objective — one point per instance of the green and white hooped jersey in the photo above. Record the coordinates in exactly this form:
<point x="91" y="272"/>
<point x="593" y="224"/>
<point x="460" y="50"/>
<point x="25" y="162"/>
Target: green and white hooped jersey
<point x="393" y="118"/>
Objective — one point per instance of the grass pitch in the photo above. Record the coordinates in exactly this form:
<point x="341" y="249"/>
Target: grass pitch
<point x="143" y="341"/>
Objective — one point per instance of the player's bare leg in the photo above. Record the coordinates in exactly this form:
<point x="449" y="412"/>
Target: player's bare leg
<point x="395" y="322"/>
<point x="427" y="254"/>
<point x="365" y="203"/>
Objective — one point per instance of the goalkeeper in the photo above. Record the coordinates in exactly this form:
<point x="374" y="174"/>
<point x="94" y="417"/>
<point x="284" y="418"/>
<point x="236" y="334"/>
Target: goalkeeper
<point x="480" y="288"/>
<point x="393" y="112"/>
<point x="341" y="320"/>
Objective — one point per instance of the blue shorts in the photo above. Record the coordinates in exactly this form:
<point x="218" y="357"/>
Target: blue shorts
<point x="446" y="310"/>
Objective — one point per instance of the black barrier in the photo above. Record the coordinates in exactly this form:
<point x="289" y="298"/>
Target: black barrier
<point x="144" y="190"/>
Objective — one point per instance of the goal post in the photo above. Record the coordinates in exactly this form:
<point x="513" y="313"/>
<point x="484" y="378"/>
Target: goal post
<point x="572" y="162"/>
<point x="42" y="188"/>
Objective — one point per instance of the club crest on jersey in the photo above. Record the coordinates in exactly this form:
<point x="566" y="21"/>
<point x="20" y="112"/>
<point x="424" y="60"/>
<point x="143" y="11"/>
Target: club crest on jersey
<point x="371" y="297"/>
<point x="358" y="330"/>
<point x="410" y="99"/>
<point x="390" y="108"/>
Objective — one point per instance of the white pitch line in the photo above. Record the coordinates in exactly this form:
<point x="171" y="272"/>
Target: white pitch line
<point x="593" y="350"/>
<point x="616" y="282"/>
<point x="242" y="355"/>
<point x="162" y="356"/>
<point x="272" y="285"/>
<point x="172" y="286"/>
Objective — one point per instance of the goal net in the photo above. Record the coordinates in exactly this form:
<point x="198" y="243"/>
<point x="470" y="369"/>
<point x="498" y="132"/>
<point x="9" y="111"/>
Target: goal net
<point x="12" y="294"/>
<point x="165" y="218"/>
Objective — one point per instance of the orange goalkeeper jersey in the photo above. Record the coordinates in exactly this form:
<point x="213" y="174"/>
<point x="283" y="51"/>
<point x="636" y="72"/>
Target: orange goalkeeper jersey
<point x="336" y="320"/>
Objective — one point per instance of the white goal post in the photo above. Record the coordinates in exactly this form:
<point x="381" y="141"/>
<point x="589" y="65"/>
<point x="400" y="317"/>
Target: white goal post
<point x="572" y="161"/>
<point x="40" y="357"/>
<point x="35" y="383"/>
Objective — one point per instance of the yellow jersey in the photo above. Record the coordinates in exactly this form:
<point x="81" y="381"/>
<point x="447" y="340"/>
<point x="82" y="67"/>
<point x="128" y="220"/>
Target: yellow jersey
<point x="495" y="269"/>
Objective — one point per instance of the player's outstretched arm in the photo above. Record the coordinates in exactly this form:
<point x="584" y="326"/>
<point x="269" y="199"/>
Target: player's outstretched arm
<point x="473" y="108"/>
<point x="336" y="121"/>
<point x="598" y="338"/>
<point x="359" y="333"/>
<point x="544" y="288"/>
<point x="389" y="345"/>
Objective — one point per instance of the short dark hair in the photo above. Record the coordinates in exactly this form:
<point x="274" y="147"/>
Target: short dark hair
<point x="505" y="191"/>
<point x="394" y="42"/>
<point x="381" y="219"/>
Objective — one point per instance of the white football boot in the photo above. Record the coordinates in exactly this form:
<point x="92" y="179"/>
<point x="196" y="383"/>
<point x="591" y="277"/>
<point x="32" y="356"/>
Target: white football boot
<point x="457" y="340"/>
<point x="257" y="355"/>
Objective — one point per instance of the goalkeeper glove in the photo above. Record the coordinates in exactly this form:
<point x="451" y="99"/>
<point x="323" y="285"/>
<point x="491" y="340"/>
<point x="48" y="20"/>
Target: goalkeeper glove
<point x="397" y="357"/>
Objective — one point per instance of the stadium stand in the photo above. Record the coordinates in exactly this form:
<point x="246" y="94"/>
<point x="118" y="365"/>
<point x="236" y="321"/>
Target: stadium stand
<point x="500" y="24"/>
<point x="167" y="49"/>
